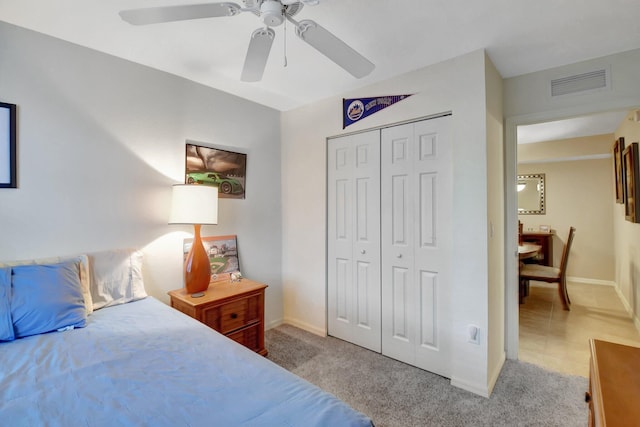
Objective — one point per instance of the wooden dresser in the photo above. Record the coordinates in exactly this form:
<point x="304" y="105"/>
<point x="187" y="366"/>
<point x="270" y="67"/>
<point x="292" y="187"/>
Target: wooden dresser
<point x="614" y="385"/>
<point x="235" y="309"/>
<point x="543" y="239"/>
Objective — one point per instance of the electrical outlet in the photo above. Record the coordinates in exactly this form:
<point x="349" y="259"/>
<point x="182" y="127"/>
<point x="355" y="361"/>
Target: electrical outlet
<point x="474" y="334"/>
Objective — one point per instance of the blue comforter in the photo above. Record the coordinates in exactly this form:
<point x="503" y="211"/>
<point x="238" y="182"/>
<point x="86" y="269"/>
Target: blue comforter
<point x="145" y="364"/>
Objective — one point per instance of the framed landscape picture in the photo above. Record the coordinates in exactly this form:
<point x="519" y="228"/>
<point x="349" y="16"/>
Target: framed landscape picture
<point x="632" y="193"/>
<point x="618" y="170"/>
<point x="223" y="255"/>
<point x="213" y="166"/>
<point x="8" y="145"/>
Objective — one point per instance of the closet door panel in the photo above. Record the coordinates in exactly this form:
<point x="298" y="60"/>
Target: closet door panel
<point x="428" y="314"/>
<point x="342" y="283"/>
<point x="400" y="288"/>
<point x="353" y="238"/>
<point x="416" y="237"/>
<point x="433" y="169"/>
<point x="399" y="324"/>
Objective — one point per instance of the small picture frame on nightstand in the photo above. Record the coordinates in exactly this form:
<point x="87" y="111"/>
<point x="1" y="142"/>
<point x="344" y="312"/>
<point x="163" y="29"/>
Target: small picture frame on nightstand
<point x="223" y="256"/>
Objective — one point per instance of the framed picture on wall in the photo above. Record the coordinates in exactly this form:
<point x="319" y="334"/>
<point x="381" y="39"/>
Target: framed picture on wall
<point x="8" y="146"/>
<point x="618" y="148"/>
<point x="214" y="166"/>
<point x="632" y="193"/>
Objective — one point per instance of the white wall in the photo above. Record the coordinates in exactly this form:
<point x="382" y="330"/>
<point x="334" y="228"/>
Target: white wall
<point x="627" y="235"/>
<point x="578" y="194"/>
<point x="529" y="95"/>
<point x="457" y="85"/>
<point x="101" y="141"/>
<point x="495" y="214"/>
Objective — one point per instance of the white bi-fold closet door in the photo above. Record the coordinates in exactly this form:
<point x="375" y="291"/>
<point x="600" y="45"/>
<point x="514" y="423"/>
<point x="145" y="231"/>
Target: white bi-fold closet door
<point x="389" y="231"/>
<point x="353" y="230"/>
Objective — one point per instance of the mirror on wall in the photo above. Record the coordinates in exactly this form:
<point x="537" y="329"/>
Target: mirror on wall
<point x="531" y="194"/>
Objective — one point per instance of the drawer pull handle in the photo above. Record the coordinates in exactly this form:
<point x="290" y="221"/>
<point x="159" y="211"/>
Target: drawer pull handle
<point x="234" y="316"/>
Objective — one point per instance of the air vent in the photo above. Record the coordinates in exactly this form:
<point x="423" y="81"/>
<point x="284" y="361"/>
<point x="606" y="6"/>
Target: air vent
<point x="579" y="83"/>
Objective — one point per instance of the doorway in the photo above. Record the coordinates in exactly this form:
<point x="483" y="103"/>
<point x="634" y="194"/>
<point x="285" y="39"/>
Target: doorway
<point x="574" y="155"/>
<point x="511" y="298"/>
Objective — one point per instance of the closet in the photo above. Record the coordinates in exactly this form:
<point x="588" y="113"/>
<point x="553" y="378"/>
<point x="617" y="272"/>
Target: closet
<point x="389" y="208"/>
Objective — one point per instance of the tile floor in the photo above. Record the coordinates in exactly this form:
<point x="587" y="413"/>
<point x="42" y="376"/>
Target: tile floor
<point x="559" y="340"/>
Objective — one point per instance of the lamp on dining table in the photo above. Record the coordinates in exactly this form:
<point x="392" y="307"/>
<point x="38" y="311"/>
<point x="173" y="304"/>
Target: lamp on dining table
<point x="198" y="205"/>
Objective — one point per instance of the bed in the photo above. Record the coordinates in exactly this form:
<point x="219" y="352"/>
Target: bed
<point x="138" y="362"/>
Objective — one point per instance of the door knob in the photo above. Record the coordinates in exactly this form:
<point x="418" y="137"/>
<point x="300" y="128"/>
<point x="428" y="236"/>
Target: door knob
<point x="363" y="252"/>
<point x="399" y="256"/>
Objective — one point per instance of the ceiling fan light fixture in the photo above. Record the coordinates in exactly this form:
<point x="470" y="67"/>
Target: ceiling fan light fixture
<point x="271" y="13"/>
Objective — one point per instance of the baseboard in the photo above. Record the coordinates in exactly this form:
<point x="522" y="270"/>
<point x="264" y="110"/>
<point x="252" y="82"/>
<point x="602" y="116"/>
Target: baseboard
<point x="298" y="324"/>
<point x="273" y="324"/>
<point x="478" y="389"/>
<point x="627" y="307"/>
<point x="481" y="389"/>
<point x="591" y="281"/>
<point x="623" y="299"/>
<point x="305" y="326"/>
<point x="493" y="379"/>
<point x="629" y="310"/>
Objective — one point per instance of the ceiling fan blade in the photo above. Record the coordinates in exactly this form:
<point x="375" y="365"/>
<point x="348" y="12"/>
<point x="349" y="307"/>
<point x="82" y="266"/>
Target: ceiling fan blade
<point x="334" y="48"/>
<point x="155" y="15"/>
<point x="257" y="54"/>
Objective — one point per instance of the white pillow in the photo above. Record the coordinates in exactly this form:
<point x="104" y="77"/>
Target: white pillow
<point x="83" y="267"/>
<point x="116" y="277"/>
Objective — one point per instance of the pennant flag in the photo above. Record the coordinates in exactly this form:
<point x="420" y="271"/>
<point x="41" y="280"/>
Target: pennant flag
<point x="356" y="109"/>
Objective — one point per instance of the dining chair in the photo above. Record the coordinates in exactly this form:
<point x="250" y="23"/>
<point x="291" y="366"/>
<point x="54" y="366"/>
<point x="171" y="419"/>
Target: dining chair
<point x="543" y="273"/>
<point x="520" y="236"/>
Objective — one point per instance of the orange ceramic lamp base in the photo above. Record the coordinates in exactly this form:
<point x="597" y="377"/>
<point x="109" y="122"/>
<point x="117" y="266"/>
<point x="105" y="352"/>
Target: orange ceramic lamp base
<point x="197" y="269"/>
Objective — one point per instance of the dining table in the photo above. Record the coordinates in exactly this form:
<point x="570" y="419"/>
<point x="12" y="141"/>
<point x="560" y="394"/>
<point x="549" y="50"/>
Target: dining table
<point x="528" y="250"/>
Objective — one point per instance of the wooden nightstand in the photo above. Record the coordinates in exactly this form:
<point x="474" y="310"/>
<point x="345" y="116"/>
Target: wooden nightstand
<point x="614" y="384"/>
<point x="235" y="309"/>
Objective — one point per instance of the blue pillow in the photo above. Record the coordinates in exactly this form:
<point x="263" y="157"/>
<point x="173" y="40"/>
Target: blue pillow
<point x="6" y="326"/>
<point x="46" y="298"/>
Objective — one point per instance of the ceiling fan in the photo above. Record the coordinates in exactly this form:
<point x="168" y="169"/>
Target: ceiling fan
<point x="272" y="13"/>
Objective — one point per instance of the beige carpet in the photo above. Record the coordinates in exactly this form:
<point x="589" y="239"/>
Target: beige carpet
<point x="394" y="394"/>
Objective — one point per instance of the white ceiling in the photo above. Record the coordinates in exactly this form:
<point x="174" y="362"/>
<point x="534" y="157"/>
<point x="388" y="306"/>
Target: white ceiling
<point x="520" y="36"/>
<point x="594" y="124"/>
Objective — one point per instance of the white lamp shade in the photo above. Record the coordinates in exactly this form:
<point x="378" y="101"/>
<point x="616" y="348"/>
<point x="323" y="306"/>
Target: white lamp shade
<point x="194" y="204"/>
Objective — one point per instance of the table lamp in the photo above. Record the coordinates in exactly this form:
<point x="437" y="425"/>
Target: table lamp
<point x="195" y="204"/>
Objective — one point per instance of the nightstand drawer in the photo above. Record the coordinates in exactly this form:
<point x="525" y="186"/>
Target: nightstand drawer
<point x="233" y="315"/>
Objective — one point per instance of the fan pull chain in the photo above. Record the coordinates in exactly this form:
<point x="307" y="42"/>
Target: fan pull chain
<point x="285" y="43"/>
